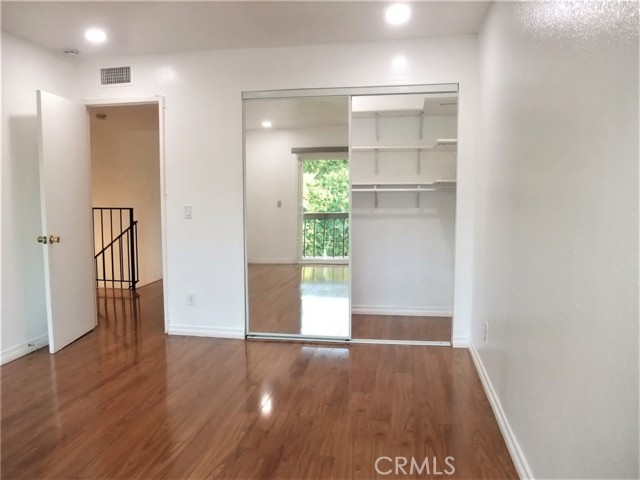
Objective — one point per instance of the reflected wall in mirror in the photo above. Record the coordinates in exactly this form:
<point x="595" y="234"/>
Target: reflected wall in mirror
<point x="297" y="216"/>
<point x="403" y="179"/>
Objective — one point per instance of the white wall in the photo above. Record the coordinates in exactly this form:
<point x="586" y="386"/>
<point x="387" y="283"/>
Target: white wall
<point x="25" y="69"/>
<point x="557" y="228"/>
<point x="272" y="175"/>
<point x="402" y="255"/>
<point x="125" y="171"/>
<point x="204" y="152"/>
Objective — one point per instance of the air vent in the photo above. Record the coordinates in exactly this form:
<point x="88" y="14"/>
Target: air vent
<point x="115" y="75"/>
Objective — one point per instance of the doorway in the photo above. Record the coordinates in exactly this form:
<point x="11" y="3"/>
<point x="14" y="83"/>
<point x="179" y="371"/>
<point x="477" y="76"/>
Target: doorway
<point x="66" y="206"/>
<point x="126" y="205"/>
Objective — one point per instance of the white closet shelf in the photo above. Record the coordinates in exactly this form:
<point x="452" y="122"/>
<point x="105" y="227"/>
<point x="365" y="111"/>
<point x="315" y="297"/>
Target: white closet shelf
<point x="388" y="113"/>
<point x="441" y="144"/>
<point x="403" y="186"/>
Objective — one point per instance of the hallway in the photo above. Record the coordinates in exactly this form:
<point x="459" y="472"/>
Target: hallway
<point x="127" y="401"/>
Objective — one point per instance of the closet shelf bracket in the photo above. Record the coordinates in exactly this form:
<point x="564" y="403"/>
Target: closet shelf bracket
<point x="376" y="164"/>
<point x="420" y="124"/>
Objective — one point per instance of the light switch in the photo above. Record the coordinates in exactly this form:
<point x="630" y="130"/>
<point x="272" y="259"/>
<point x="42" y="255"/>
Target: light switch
<point x="279" y="203"/>
<point x="188" y="212"/>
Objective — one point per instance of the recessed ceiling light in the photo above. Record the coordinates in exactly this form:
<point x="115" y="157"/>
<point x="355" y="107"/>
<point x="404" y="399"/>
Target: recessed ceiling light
<point x="95" y="35"/>
<point x="397" y="14"/>
<point x="399" y="63"/>
<point x="267" y="124"/>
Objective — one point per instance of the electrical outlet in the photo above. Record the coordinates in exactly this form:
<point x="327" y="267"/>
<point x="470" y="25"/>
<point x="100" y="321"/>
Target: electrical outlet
<point x="486" y="332"/>
<point x="279" y="203"/>
<point x="191" y="298"/>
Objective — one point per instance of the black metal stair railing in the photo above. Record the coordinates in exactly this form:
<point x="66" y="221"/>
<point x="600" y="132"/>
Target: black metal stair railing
<point x="325" y="235"/>
<point x="115" y="235"/>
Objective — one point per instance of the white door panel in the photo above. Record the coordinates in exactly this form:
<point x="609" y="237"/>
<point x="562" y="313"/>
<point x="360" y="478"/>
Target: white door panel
<point x="65" y="189"/>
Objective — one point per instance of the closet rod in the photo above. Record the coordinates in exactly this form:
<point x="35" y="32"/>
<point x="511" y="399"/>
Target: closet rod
<point x="434" y="183"/>
<point x="414" y="189"/>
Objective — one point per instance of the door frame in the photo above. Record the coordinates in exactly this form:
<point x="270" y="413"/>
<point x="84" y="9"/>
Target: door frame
<point x="160" y="101"/>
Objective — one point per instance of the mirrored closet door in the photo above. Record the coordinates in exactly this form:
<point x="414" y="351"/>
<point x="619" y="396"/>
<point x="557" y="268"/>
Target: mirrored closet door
<point x="297" y="217"/>
<point x="403" y="181"/>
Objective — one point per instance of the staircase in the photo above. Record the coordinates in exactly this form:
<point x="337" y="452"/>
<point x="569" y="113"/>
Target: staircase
<point x="115" y="239"/>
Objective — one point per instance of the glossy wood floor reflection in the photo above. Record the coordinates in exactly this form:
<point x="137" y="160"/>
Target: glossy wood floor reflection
<point x="126" y="401"/>
<point x="392" y="327"/>
<point x="310" y="300"/>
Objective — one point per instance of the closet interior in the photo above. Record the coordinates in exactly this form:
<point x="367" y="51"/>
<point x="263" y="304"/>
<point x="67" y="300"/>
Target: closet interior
<point x="403" y="198"/>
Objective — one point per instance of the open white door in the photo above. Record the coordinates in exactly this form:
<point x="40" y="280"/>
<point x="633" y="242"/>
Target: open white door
<point x="65" y="190"/>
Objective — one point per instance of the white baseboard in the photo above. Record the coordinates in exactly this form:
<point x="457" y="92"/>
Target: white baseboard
<point x="273" y="261"/>
<point x="18" y="351"/>
<point x="198" y="331"/>
<point x="460" y="342"/>
<point x="517" y="455"/>
<point x="400" y="311"/>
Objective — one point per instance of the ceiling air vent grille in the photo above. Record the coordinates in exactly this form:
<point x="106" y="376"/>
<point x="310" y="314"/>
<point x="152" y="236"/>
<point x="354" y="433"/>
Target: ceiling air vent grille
<point x="115" y="75"/>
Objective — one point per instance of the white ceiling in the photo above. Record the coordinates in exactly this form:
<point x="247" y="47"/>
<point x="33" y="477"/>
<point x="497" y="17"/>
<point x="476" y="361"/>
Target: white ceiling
<point x="297" y="112"/>
<point x="429" y="104"/>
<point x="334" y="111"/>
<point x="166" y="27"/>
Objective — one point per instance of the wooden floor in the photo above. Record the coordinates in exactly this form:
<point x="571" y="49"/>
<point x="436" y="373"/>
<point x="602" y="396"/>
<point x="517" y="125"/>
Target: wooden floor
<point x="313" y="300"/>
<point x="126" y="401"/>
<point x="391" y="327"/>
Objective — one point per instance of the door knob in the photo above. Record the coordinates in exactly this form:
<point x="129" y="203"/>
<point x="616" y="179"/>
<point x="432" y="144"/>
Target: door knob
<point x="54" y="239"/>
<point x="42" y="239"/>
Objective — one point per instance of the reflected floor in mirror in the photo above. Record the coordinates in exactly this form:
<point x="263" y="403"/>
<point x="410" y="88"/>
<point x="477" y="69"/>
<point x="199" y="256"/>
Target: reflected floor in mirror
<point x="313" y="300"/>
<point x="310" y="300"/>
